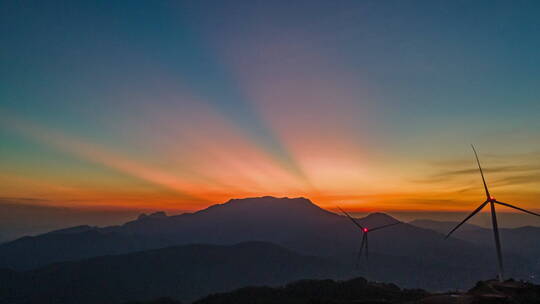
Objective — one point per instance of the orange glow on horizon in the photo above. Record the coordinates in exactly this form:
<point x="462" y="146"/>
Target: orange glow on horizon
<point x="211" y="165"/>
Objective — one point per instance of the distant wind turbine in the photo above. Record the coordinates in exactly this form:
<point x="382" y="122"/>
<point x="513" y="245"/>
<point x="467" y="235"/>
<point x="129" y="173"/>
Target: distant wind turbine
<point x="491" y="201"/>
<point x="365" y="232"/>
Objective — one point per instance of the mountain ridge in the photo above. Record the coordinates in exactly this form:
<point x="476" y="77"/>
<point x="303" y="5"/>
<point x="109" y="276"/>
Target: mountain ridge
<point x="172" y="271"/>
<point x="296" y="224"/>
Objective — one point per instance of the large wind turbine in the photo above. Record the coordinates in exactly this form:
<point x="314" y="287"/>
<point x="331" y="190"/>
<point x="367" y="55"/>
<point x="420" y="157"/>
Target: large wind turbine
<point x="365" y="232"/>
<point x="491" y="201"/>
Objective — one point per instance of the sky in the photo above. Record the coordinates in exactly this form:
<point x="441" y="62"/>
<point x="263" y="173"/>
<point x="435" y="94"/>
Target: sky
<point x="178" y="105"/>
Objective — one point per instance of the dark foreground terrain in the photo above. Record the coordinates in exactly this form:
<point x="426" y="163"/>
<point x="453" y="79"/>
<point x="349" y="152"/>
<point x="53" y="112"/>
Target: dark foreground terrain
<point x="360" y="291"/>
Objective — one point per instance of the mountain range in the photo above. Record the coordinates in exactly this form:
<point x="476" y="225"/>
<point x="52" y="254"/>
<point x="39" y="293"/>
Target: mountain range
<point x="515" y="240"/>
<point x="413" y="255"/>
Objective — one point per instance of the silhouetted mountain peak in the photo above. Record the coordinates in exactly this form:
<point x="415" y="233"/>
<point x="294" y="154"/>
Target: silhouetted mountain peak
<point x="378" y="218"/>
<point x="267" y="204"/>
<point x="270" y="200"/>
<point x="76" y="229"/>
<point x="159" y="214"/>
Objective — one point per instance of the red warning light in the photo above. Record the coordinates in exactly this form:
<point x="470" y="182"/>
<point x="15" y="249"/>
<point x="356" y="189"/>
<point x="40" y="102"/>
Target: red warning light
<point x="365" y="230"/>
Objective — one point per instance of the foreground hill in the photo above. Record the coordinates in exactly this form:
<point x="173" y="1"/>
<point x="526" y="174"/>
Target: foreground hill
<point x="359" y="290"/>
<point x="319" y="291"/>
<point x="185" y="273"/>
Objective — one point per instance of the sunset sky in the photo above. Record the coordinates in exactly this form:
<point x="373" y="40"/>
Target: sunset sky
<point x="177" y="105"/>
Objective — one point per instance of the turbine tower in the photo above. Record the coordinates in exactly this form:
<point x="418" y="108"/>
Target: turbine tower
<point x="365" y="232"/>
<point x="491" y="201"/>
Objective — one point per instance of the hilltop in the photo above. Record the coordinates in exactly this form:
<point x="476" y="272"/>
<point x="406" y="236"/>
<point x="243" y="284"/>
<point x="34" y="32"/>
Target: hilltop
<point x="361" y="291"/>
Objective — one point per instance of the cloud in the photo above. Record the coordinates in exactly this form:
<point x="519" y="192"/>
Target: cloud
<point x="22" y="200"/>
<point x="505" y="169"/>
<point x="518" y="180"/>
<point x="511" y="169"/>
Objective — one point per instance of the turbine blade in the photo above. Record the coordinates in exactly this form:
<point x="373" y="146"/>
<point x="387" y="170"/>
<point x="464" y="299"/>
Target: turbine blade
<point x="481" y="172"/>
<point x="352" y="219"/>
<point x="367" y="250"/>
<point x="520" y="209"/>
<point x="359" y="256"/>
<point x="467" y="218"/>
<point x="384" y="226"/>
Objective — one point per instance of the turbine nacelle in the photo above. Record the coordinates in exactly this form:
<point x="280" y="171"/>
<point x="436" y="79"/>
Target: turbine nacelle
<point x="365" y="230"/>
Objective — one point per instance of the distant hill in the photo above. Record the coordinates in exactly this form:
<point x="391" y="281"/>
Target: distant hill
<point x="184" y="272"/>
<point x="514" y="240"/>
<point x="443" y="227"/>
<point x="70" y="244"/>
<point x="294" y="223"/>
<point x="523" y="240"/>
<point x="26" y="216"/>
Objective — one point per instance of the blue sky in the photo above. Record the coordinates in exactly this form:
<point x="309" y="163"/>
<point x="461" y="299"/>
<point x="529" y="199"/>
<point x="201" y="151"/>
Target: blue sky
<point x="178" y="104"/>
